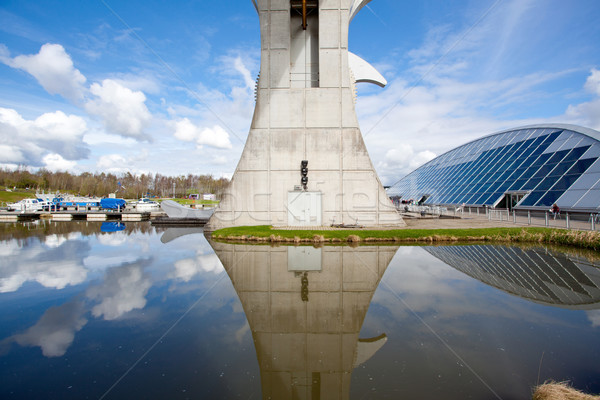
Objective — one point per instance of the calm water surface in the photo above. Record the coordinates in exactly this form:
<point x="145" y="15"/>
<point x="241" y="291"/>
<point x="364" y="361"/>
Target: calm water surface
<point x="121" y="311"/>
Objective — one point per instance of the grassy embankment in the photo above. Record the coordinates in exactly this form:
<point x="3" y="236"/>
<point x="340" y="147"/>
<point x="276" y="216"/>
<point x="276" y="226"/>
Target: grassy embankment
<point x="14" y="196"/>
<point x="583" y="239"/>
<point x="560" y="391"/>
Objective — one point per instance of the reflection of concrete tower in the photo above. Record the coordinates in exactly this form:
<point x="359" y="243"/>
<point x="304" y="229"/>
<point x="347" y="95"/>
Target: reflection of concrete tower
<point x="305" y="162"/>
<point x="305" y="308"/>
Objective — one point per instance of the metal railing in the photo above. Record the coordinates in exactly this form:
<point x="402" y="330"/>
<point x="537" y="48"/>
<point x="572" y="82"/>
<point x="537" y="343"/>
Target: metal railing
<point x="566" y="220"/>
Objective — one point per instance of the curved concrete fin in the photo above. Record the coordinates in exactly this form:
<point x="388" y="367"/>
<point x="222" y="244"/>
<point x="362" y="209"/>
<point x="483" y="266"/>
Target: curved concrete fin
<point x="365" y="72"/>
<point x="356" y="6"/>
<point x="366" y="348"/>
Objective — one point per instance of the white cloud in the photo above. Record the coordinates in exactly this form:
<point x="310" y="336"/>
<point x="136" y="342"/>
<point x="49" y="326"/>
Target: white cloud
<point x="111" y="162"/>
<point x="55" y="162"/>
<point x="49" y="140"/>
<point x="11" y="154"/>
<point x="53" y="69"/>
<point x="587" y="113"/>
<point x="122" y="110"/>
<point x="215" y="137"/>
<point x="592" y="84"/>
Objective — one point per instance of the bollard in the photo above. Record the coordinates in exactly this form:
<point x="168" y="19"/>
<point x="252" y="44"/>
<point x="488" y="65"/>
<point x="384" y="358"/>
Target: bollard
<point x="528" y="217"/>
<point x="514" y="217"/>
<point x="546" y="217"/>
<point x="592" y="219"/>
<point x="567" y="218"/>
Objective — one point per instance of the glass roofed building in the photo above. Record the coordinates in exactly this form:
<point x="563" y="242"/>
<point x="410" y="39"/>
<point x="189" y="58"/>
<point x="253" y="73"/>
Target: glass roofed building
<point x="531" y="167"/>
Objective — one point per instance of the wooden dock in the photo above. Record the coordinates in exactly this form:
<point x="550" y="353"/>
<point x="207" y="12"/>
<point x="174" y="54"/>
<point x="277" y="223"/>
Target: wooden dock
<point x="94" y="215"/>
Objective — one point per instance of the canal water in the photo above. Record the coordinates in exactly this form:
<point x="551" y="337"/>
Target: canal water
<point x="122" y="311"/>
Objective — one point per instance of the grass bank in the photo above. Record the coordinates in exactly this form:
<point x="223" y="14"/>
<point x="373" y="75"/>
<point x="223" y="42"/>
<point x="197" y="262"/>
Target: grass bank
<point x="560" y="391"/>
<point x="14" y="196"/>
<point x="583" y="239"/>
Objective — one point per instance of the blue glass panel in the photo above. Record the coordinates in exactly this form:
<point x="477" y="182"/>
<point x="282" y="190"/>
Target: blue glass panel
<point x="518" y="185"/>
<point x="504" y="186"/>
<point x="541" y="160"/>
<point x="550" y="198"/>
<point x="576" y="153"/>
<point x="518" y="172"/>
<point x="507" y="174"/>
<point x="558" y="156"/>
<point x="547" y="183"/>
<point x="532" y="183"/>
<point x="532" y="198"/>
<point x="561" y="168"/>
<point x="495" y="176"/>
<point x="544" y="170"/>
<point x="581" y="166"/>
<point x="565" y="182"/>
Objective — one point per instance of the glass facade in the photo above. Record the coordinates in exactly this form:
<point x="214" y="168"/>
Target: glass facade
<point x="532" y="167"/>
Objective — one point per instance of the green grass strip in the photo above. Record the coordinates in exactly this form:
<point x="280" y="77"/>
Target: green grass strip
<point x="265" y="233"/>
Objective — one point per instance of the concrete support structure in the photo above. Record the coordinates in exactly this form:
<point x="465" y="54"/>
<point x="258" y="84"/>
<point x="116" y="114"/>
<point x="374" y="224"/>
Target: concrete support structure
<point x="305" y="307"/>
<point x="305" y="111"/>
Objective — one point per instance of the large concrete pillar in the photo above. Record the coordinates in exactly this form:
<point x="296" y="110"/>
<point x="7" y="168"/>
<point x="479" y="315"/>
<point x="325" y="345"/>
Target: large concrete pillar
<point x="305" y="307"/>
<point x="305" y="112"/>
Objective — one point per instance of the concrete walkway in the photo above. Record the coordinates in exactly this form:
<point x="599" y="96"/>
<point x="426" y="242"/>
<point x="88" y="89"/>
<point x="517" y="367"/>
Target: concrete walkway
<point x="415" y="221"/>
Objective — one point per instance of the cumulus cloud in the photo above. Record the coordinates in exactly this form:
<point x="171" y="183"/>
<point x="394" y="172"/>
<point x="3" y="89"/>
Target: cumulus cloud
<point x="53" y="69"/>
<point x="55" y="162"/>
<point x="587" y="113"/>
<point x="112" y="162"/>
<point x="55" y="330"/>
<point x="116" y="102"/>
<point x="121" y="109"/>
<point x="215" y="137"/>
<point x="592" y="84"/>
<point x="49" y="140"/>
<point x="123" y="290"/>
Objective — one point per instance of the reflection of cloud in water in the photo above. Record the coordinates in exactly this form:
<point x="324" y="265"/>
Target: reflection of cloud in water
<point x="429" y="287"/>
<point x="9" y="248"/>
<point x="55" y="330"/>
<point x="112" y="239"/>
<point x="124" y="289"/>
<point x="594" y="317"/>
<point x="104" y="262"/>
<point x="48" y="274"/>
<point x="57" y="240"/>
<point x="54" y="268"/>
<point x="186" y="269"/>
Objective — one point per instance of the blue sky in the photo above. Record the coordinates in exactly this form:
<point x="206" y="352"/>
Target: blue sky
<point x="168" y="87"/>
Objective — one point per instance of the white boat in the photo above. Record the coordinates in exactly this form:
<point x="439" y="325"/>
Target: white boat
<point x="25" y="205"/>
<point x="177" y="211"/>
<point x="145" y="204"/>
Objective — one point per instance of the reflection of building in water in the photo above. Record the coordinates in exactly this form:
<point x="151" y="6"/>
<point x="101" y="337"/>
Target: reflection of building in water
<point x="305" y="307"/>
<point x="536" y="274"/>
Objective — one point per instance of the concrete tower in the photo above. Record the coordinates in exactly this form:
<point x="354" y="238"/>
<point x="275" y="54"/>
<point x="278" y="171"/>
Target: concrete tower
<point x="305" y="162"/>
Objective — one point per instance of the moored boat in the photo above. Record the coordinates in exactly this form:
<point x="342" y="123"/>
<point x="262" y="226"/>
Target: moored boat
<point x="177" y="211"/>
<point x="145" y="204"/>
<point x="25" y="205"/>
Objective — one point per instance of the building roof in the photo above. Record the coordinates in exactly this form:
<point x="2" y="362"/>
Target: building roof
<point x="538" y="165"/>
